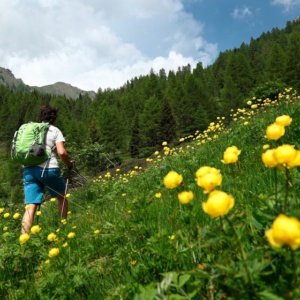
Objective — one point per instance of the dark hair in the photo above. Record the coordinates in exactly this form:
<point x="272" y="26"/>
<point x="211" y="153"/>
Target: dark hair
<point x="47" y="114"/>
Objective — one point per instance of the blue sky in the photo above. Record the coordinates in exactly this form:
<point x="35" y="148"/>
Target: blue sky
<point x="94" y="44"/>
<point x="232" y="22"/>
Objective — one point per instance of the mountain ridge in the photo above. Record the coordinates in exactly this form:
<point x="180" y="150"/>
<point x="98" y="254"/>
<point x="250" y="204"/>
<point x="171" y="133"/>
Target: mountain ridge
<point x="59" y="88"/>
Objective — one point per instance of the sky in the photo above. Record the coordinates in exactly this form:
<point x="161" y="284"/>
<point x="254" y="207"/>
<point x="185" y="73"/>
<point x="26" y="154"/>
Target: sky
<point x="94" y="44"/>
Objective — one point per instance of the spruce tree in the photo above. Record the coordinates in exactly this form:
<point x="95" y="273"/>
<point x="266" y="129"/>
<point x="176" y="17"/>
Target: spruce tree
<point x="167" y="124"/>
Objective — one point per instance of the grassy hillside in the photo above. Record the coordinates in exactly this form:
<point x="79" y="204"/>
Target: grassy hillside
<point x="133" y="236"/>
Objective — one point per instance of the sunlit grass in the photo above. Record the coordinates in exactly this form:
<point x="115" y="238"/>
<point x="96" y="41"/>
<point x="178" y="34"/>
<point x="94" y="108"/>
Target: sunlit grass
<point x="192" y="223"/>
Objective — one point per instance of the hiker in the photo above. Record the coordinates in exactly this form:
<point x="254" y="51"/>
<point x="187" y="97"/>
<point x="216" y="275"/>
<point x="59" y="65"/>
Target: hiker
<point x="47" y="174"/>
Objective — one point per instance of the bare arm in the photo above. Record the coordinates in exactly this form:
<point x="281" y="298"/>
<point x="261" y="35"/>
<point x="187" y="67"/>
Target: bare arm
<point x="63" y="154"/>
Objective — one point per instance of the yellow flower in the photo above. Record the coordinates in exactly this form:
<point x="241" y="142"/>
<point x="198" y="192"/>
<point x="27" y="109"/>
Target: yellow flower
<point x="27" y="207"/>
<point x="65" y="245"/>
<point x="123" y="194"/>
<point x="53" y="252"/>
<point x="133" y="262"/>
<point x="5" y="228"/>
<point x="218" y="204"/>
<point x="51" y="237"/>
<point x="35" y="229"/>
<point x="274" y="131"/>
<point x="24" y="238"/>
<point x="285" y="154"/>
<point x="1" y="210"/>
<point x="97" y="231"/>
<point x="249" y="102"/>
<point x="284" y="231"/>
<point x="172" y="237"/>
<point x="158" y="195"/>
<point x="205" y="169"/>
<point x="52" y="199"/>
<point x="268" y="158"/>
<point x="185" y="197"/>
<point x="71" y="235"/>
<point x="229" y="158"/>
<point x="68" y="196"/>
<point x="38" y="213"/>
<point x="172" y="180"/>
<point x="266" y="146"/>
<point x="233" y="149"/>
<point x="6" y="215"/>
<point x="164" y="144"/>
<point x="284" y="120"/>
<point x="47" y="262"/>
<point x="209" y="181"/>
<point x="295" y="162"/>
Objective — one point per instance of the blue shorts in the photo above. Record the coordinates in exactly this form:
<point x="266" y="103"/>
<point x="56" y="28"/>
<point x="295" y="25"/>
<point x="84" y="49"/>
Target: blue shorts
<point x="35" y="184"/>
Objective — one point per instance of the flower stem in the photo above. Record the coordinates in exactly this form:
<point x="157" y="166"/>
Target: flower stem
<point x="276" y="187"/>
<point x="243" y="255"/>
<point x="287" y="184"/>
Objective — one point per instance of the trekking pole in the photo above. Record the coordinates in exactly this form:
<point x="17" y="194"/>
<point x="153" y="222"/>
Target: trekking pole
<point x="37" y="216"/>
<point x="63" y="206"/>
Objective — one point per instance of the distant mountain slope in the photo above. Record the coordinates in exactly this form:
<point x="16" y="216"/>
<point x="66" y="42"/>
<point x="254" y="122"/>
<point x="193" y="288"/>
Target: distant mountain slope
<point x="8" y="79"/>
<point x="61" y="88"/>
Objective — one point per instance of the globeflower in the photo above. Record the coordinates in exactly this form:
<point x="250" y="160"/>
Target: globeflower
<point x="295" y="162"/>
<point x="206" y="169"/>
<point x="157" y="195"/>
<point x="53" y="252"/>
<point x="229" y="158"/>
<point x="218" y="204"/>
<point x="172" y="180"/>
<point x="284" y="120"/>
<point x="268" y="158"/>
<point x="35" y="229"/>
<point x="274" y="131"/>
<point x="1" y="210"/>
<point x="51" y="237"/>
<point x="71" y="235"/>
<point x="208" y="178"/>
<point x="6" y="215"/>
<point x="231" y="155"/>
<point x="185" y="197"/>
<point x="24" y="238"/>
<point x="285" y="154"/>
<point x="284" y="231"/>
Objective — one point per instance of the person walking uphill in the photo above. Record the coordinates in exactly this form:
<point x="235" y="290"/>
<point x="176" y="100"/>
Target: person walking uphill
<point x="47" y="174"/>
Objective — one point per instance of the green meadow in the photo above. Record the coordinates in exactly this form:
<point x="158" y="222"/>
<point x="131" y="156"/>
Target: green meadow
<point x="130" y="235"/>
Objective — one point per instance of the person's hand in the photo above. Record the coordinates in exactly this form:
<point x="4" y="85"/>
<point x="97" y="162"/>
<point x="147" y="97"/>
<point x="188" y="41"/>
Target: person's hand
<point x="71" y="166"/>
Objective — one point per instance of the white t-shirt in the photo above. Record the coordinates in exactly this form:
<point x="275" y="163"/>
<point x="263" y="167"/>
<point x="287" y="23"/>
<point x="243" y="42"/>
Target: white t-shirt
<point x="53" y="136"/>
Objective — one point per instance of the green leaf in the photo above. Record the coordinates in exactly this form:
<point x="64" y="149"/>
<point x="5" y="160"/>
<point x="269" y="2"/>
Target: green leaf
<point x="183" y="279"/>
<point x="265" y="295"/>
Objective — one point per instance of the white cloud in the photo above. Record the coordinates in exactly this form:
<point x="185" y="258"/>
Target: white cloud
<point x="240" y="13"/>
<point x="287" y="4"/>
<point x="95" y="44"/>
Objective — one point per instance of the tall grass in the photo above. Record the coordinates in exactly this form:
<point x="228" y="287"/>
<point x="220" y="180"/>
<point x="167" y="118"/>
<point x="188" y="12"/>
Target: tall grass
<point x="135" y="240"/>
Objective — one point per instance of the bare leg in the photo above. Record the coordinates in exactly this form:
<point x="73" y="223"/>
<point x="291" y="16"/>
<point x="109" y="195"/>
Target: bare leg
<point x="28" y="217"/>
<point x="63" y="206"/>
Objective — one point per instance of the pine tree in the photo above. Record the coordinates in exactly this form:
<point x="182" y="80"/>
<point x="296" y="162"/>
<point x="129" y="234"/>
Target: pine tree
<point x="167" y="124"/>
<point x="293" y="62"/>
<point x="135" y="138"/>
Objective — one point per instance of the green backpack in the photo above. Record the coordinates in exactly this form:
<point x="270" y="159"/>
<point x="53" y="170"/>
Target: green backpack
<point x="29" y="144"/>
